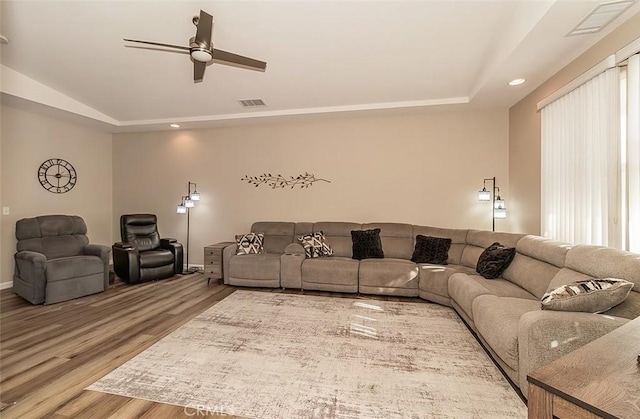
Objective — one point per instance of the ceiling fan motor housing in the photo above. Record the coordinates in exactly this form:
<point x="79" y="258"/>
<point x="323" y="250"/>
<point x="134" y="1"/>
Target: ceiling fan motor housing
<point x="202" y="53"/>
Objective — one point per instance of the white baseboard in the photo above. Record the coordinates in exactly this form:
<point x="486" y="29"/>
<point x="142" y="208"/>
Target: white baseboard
<point x="5" y="285"/>
<point x="191" y="265"/>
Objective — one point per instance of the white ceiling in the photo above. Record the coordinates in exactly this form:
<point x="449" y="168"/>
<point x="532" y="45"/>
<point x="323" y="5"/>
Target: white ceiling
<point x="322" y="56"/>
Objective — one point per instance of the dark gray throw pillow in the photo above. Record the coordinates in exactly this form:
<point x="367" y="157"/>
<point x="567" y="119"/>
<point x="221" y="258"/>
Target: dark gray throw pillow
<point x="431" y="250"/>
<point x="494" y="260"/>
<point x="366" y="244"/>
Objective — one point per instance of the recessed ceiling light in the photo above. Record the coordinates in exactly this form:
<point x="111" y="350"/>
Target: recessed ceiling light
<point x="516" y="82"/>
<point x="174" y="126"/>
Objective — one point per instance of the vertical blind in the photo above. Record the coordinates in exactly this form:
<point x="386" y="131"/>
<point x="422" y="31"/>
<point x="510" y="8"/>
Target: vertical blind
<point x="580" y="163"/>
<point x="633" y="151"/>
<point x="591" y="161"/>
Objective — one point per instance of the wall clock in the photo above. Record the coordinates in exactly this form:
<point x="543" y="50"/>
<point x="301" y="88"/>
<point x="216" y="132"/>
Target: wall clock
<point x="57" y="175"/>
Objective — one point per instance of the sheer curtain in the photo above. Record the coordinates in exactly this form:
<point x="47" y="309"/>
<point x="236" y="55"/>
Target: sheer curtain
<point x="581" y="181"/>
<point x="633" y="151"/>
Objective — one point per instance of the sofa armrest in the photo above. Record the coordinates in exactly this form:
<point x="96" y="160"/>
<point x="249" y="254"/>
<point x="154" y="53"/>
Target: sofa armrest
<point x="178" y="253"/>
<point x="103" y="253"/>
<point x="294" y="249"/>
<point x="227" y="254"/>
<point x="126" y="262"/>
<point x="29" y="279"/>
<point x="545" y="335"/>
<point x="291" y="269"/>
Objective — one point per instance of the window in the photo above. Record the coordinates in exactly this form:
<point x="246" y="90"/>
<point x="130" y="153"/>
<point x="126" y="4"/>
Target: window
<point x="591" y="161"/>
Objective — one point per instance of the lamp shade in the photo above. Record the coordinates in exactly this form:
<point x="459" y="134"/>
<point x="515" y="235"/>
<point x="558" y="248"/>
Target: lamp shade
<point x="484" y="195"/>
<point x="189" y="203"/>
<point x="181" y="209"/>
<point x="500" y="213"/>
<point x="195" y="196"/>
<point x="498" y="203"/>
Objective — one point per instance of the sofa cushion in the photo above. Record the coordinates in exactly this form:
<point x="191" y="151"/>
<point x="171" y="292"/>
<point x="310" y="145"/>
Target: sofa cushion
<point x="255" y="266"/>
<point x="277" y="234"/>
<point x="430" y="249"/>
<point x="315" y="245"/>
<point x="155" y="258"/>
<point x="388" y="273"/>
<point x="434" y="279"/>
<point x="458" y="240"/>
<point x="603" y="262"/>
<point x="479" y="240"/>
<point x="333" y="270"/>
<point x="463" y="289"/>
<point x="497" y="318"/>
<point x="396" y="238"/>
<point x="339" y="235"/>
<point x="366" y="244"/>
<point x="494" y="260"/>
<point x="537" y="261"/>
<point x="73" y="267"/>
<point x="249" y="244"/>
<point x="591" y="296"/>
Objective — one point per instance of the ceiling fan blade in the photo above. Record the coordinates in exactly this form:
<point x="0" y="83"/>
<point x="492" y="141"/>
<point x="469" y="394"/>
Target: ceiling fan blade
<point x="198" y="70"/>
<point x="203" y="33"/>
<point x="158" y="44"/>
<point x="235" y="60"/>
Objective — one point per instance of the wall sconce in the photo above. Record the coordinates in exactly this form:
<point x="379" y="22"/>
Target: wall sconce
<point x="187" y="202"/>
<point x="498" y="210"/>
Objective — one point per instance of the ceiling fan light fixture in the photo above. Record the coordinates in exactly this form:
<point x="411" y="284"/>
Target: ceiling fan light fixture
<point x="201" y="54"/>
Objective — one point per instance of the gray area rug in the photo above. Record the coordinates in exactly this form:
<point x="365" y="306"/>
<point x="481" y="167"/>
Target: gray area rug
<point x="268" y="355"/>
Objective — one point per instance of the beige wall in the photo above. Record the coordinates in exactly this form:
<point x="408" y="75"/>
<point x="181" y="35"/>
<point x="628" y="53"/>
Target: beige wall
<point x="422" y="169"/>
<point x="524" y="129"/>
<point x="28" y="139"/>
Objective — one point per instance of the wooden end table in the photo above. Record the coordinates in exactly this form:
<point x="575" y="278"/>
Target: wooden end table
<point x="213" y="268"/>
<point x="601" y="379"/>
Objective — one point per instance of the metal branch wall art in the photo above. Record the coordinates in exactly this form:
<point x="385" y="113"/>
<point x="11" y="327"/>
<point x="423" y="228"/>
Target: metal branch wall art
<point x="278" y="181"/>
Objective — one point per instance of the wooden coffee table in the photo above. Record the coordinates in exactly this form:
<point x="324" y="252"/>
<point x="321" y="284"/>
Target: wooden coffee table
<point x="601" y="379"/>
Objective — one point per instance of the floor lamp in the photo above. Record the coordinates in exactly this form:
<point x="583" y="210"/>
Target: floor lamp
<point x="188" y="201"/>
<point x="498" y="209"/>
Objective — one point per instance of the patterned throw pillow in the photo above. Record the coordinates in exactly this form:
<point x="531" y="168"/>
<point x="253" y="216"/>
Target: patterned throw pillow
<point x="494" y="260"/>
<point x="590" y="296"/>
<point x="250" y="244"/>
<point x="431" y="250"/>
<point x="315" y="245"/>
<point x="366" y="244"/>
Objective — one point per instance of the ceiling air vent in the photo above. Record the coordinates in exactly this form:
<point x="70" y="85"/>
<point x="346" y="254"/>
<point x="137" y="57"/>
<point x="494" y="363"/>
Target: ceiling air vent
<point x="600" y="17"/>
<point x="252" y="103"/>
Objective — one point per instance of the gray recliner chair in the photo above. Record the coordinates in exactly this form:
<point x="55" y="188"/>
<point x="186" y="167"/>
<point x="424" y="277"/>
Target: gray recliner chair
<point x="55" y="262"/>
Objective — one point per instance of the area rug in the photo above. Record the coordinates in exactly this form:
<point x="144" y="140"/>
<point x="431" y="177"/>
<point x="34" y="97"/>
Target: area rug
<point x="271" y="355"/>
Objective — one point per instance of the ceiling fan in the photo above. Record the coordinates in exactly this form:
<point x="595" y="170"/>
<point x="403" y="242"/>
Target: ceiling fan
<point x="201" y="49"/>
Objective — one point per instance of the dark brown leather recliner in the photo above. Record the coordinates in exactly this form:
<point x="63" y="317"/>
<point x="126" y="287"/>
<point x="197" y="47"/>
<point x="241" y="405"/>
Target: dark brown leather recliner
<point x="142" y="255"/>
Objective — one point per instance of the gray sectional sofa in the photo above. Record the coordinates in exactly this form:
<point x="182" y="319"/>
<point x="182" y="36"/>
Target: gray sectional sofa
<point x="505" y="313"/>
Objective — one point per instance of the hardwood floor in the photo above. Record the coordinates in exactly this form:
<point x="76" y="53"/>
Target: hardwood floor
<point x="49" y="354"/>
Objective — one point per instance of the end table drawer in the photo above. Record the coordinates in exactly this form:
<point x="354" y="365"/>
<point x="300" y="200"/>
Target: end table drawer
<point x="213" y="260"/>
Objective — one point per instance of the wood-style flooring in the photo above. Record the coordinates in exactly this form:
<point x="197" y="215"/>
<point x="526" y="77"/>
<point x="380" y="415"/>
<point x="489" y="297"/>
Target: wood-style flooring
<point x="49" y="354"/>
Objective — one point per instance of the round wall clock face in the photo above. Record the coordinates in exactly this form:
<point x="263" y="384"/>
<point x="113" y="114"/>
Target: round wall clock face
<point x="57" y="175"/>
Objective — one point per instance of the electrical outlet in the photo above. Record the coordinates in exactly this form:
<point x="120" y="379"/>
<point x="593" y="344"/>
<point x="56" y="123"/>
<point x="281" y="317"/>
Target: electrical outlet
<point x="5" y="210"/>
